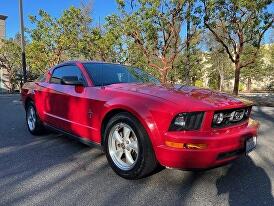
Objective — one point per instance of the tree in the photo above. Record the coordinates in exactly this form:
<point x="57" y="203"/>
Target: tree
<point x="58" y="39"/>
<point x="10" y="60"/>
<point x="235" y="25"/>
<point x="38" y="58"/>
<point x="219" y="65"/>
<point x="98" y="42"/>
<point x="195" y="57"/>
<point x="262" y="69"/>
<point x="154" y="26"/>
<point x="102" y="43"/>
<point x="193" y="12"/>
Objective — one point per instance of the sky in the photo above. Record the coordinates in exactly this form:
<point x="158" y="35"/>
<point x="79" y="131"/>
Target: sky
<point x="100" y="9"/>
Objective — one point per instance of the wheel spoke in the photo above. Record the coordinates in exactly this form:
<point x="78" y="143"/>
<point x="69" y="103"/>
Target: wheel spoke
<point x="129" y="158"/>
<point x="123" y="146"/>
<point x="31" y="118"/>
<point x="133" y="145"/>
<point x="119" y="153"/>
<point x="126" y="133"/>
<point x="32" y="113"/>
<point x="31" y="125"/>
<point x="117" y="137"/>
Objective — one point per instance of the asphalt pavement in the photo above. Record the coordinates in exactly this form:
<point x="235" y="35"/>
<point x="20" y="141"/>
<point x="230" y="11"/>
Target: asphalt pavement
<point x="55" y="170"/>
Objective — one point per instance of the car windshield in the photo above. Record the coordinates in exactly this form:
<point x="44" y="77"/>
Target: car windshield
<point x="105" y="74"/>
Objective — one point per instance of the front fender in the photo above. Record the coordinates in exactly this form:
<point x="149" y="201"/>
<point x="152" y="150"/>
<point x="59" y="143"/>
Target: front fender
<point x="140" y="110"/>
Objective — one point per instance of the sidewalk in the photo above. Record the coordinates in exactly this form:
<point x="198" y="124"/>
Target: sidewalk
<point x="260" y="99"/>
<point x="10" y="95"/>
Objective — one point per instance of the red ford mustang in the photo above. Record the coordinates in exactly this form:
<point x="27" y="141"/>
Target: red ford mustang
<point x="139" y="122"/>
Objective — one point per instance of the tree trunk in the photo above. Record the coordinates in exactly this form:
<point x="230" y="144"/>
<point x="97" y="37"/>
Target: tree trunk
<point x="164" y="76"/>
<point x="236" y="78"/>
<point x="249" y="84"/>
<point x="187" y="71"/>
<point x="12" y="88"/>
<point x="221" y="83"/>
<point x="193" y="80"/>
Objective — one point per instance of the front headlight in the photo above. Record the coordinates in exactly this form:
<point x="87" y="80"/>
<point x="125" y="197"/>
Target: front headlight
<point x="180" y="120"/>
<point x="229" y="117"/>
<point x="187" y="121"/>
<point x="218" y="118"/>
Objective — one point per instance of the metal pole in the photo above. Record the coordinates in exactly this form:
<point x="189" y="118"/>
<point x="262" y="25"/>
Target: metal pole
<point x="24" y="65"/>
<point x="1" y="82"/>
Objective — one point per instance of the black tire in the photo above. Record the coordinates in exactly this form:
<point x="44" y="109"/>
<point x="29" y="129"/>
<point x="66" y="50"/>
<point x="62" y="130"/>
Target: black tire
<point x="146" y="162"/>
<point x="38" y="128"/>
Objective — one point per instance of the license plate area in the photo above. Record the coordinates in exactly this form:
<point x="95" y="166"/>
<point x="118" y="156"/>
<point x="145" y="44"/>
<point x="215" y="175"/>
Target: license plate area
<point x="250" y="144"/>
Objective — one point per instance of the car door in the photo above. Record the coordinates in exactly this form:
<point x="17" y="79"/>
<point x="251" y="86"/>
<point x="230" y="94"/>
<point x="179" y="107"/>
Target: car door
<point x="66" y="106"/>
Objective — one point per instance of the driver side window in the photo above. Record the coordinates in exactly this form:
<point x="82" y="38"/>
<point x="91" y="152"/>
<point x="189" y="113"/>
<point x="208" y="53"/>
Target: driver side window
<point x="66" y="71"/>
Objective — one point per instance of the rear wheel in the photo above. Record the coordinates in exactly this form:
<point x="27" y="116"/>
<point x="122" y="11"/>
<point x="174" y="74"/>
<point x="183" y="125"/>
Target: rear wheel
<point x="128" y="147"/>
<point x="34" y="124"/>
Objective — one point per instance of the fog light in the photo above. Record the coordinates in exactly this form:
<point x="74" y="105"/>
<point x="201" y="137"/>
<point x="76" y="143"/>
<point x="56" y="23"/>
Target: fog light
<point x="195" y="146"/>
<point x="186" y="145"/>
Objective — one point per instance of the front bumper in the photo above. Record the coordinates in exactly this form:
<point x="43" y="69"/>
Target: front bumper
<point x="223" y="146"/>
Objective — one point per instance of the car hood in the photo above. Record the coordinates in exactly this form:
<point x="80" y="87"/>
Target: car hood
<point x="186" y="95"/>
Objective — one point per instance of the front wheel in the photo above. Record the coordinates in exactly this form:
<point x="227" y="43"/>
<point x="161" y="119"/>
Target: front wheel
<point x="128" y="147"/>
<point x="34" y="124"/>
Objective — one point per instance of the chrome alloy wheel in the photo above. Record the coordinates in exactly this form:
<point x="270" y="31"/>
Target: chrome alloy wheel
<point x="31" y="118"/>
<point x="123" y="146"/>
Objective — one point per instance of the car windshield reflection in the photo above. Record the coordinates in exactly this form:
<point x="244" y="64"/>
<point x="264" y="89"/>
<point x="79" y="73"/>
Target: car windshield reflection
<point x="107" y="74"/>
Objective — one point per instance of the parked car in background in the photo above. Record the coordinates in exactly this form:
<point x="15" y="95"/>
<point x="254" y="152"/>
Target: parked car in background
<point x="138" y="122"/>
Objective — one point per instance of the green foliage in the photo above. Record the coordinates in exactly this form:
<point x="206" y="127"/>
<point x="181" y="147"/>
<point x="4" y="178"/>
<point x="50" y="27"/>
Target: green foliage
<point x="154" y="27"/>
<point x="149" y="34"/>
<point x="241" y="86"/>
<point x="58" y="39"/>
<point x="262" y="68"/>
<point x="237" y="26"/>
<point x="104" y="43"/>
<point x="197" y="60"/>
<point x="10" y="56"/>
<point x="198" y="83"/>
<point x="219" y="67"/>
<point x="37" y="57"/>
<point x="257" y="70"/>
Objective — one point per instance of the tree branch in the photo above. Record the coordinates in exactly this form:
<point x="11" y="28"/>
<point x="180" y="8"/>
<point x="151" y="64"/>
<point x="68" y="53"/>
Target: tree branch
<point x="253" y="59"/>
<point x="218" y="38"/>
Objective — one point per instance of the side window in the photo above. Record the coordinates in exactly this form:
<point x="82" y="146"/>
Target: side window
<point x="105" y="74"/>
<point x="95" y="72"/>
<point x="64" y="71"/>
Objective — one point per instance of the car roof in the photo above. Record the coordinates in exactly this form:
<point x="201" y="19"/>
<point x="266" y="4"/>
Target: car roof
<point x="81" y="62"/>
<point x="84" y="62"/>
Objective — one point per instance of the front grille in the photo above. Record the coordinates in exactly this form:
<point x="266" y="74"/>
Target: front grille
<point x="231" y="117"/>
<point x="194" y="120"/>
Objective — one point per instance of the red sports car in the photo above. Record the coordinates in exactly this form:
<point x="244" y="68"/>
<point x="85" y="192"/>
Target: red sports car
<point x="138" y="122"/>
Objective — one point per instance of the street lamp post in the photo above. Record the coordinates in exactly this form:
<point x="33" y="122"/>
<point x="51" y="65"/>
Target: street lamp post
<point x="24" y="65"/>
<point x="1" y="82"/>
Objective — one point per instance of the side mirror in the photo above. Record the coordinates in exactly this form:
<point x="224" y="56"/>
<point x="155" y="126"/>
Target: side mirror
<point x="71" y="80"/>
